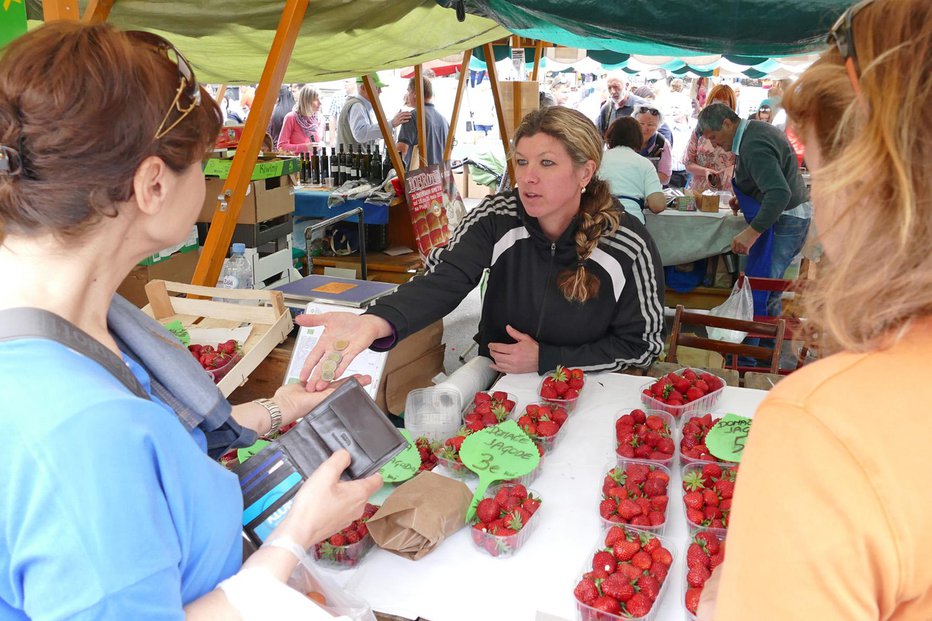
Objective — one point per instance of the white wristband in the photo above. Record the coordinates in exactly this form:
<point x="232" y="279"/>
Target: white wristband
<point x="287" y="543"/>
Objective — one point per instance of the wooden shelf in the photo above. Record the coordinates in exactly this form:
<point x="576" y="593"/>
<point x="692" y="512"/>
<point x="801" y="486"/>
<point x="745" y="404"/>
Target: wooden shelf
<point x="380" y="266"/>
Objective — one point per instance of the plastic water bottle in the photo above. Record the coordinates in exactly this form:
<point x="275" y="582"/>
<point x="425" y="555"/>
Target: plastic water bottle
<point x="236" y="272"/>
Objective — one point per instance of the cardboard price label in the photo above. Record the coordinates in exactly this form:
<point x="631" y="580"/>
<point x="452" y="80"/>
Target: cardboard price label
<point x="498" y="453"/>
<point x="726" y="439"/>
<point x="404" y="465"/>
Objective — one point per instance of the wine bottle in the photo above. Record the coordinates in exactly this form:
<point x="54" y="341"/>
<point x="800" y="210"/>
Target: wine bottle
<point x="364" y="159"/>
<point x="341" y="166"/>
<point x="375" y="167"/>
<point x="303" y="168"/>
<point x="315" y="167"/>
<point x="324" y="163"/>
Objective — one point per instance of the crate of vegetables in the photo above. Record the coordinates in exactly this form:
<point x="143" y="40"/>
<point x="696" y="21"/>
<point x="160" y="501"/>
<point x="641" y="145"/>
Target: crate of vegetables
<point x="265" y="313"/>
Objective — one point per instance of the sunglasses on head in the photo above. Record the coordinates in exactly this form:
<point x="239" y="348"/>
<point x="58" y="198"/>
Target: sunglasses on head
<point x="187" y="87"/>
<point x="842" y="36"/>
<point x="648" y="110"/>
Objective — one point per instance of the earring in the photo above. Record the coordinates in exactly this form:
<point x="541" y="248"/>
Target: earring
<point x="583" y="190"/>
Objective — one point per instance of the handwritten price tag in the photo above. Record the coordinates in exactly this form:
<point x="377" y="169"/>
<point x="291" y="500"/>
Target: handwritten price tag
<point x="498" y="453"/>
<point x="404" y="465"/>
<point x="726" y="439"/>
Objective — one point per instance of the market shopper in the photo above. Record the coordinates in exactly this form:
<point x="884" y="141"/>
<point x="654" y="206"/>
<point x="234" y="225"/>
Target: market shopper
<point x="621" y="102"/>
<point x="573" y="280"/>
<point x="631" y="177"/>
<point x="654" y="146"/>
<point x="301" y="129"/>
<point x="832" y="512"/>
<point x="356" y="126"/>
<point x="769" y="192"/>
<point x="110" y="507"/>
<point x="437" y="127"/>
<point x="709" y="165"/>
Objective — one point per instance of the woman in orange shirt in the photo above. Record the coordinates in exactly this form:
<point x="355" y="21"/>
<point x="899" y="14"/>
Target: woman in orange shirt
<point x="832" y="513"/>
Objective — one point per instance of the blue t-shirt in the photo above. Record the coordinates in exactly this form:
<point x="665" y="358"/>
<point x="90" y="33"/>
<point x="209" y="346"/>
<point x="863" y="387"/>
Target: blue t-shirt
<point x="109" y="508"/>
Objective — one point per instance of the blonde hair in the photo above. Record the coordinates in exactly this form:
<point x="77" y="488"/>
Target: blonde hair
<point x="306" y="96"/>
<point x="878" y="158"/>
<point x="722" y="93"/>
<point x="598" y="214"/>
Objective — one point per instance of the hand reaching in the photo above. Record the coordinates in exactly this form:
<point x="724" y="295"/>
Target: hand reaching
<point x="347" y="334"/>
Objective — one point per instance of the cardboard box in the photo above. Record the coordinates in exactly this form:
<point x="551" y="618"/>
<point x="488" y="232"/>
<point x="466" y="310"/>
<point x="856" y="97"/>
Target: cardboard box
<point x="265" y="199"/>
<point x="179" y="267"/>
<point x="265" y="168"/>
<point x="685" y="203"/>
<point x="413" y="363"/>
<point x="708" y="203"/>
<point x="188" y="245"/>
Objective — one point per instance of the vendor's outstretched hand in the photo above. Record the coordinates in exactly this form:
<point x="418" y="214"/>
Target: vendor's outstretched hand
<point x="295" y="400"/>
<point x="325" y="503"/>
<point x="520" y="357"/>
<point x="353" y="333"/>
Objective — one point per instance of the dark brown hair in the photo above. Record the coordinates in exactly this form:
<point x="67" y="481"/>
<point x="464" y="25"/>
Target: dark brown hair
<point x="81" y="105"/>
<point x="598" y="214"/>
<point x="624" y="132"/>
<point x="428" y="88"/>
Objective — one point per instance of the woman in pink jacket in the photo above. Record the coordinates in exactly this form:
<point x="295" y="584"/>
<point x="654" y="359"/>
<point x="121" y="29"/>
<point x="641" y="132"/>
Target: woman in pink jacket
<point x="301" y="128"/>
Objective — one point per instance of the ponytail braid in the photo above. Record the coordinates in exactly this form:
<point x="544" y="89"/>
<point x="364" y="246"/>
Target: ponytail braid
<point x="598" y="216"/>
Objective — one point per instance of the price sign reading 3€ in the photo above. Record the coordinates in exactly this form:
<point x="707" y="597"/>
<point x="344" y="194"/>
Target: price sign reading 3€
<point x="498" y="453"/>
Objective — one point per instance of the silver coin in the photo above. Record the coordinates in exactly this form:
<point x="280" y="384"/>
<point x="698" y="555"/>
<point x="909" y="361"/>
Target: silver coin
<point x="333" y="357"/>
<point x="328" y="365"/>
<point x="341" y="345"/>
<point x="327" y="376"/>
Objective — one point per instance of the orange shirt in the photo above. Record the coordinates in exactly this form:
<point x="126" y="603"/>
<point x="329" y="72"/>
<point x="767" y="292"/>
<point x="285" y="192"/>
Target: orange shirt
<point x="832" y="516"/>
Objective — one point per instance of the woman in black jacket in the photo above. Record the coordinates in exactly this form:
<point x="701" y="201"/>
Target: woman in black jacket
<point x="572" y="279"/>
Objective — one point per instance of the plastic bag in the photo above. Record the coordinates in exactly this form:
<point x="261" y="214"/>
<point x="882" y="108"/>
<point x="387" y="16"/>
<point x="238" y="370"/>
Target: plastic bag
<point x="340" y="603"/>
<point x="739" y="305"/>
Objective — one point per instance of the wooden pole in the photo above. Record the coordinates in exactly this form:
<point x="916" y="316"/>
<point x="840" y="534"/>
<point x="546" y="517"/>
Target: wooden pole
<point x="221" y="92"/>
<point x="464" y="76"/>
<point x="538" y="52"/>
<point x="499" y="112"/>
<point x="97" y="11"/>
<point x="53" y="10"/>
<point x="234" y="188"/>
<point x="419" y="109"/>
<point x="384" y="125"/>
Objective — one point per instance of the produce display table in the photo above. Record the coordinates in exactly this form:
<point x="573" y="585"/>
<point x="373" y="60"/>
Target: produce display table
<point x="457" y="582"/>
<point x="686" y="236"/>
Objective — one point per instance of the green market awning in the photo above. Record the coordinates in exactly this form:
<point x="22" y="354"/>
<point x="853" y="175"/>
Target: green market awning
<point x="763" y="28"/>
<point x="228" y="41"/>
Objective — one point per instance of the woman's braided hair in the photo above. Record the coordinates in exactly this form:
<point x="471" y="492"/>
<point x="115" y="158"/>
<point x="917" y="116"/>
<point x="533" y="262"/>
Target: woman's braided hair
<point x="598" y="212"/>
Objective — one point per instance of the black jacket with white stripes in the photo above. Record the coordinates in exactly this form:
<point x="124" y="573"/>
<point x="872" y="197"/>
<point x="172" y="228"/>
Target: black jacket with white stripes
<point x="621" y="327"/>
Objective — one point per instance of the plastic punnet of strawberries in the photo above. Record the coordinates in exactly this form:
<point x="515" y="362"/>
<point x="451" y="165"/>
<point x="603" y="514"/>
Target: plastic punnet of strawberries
<point x="706" y="551"/>
<point x="562" y="387"/>
<point x="692" y="443"/>
<point x="212" y="358"/>
<point x="502" y="523"/>
<point x="635" y="494"/>
<point x="488" y="409"/>
<point x="448" y="453"/>
<point x="626" y="577"/>
<point x="707" y="492"/>
<point x="680" y="389"/>
<point x="644" y="435"/>
<point x="426" y="451"/>
<point x="542" y="422"/>
<point x="347" y="547"/>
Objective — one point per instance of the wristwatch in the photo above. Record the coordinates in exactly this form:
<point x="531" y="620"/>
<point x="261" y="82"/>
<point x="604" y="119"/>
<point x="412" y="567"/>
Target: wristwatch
<point x="275" y="413"/>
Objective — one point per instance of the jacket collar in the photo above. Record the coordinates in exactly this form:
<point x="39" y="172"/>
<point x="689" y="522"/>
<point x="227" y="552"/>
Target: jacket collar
<point x="565" y="241"/>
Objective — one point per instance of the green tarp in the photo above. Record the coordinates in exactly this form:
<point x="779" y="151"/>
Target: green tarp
<point x="228" y="41"/>
<point x="763" y="28"/>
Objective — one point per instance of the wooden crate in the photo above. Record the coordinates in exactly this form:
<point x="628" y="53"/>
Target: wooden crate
<point x="271" y="320"/>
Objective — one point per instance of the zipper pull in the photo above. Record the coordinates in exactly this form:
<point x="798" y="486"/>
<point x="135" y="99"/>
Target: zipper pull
<point x="553" y="249"/>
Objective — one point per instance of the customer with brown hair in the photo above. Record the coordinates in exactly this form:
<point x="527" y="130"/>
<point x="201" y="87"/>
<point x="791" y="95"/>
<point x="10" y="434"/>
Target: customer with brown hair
<point x="110" y="507"/>
<point x="711" y="166"/>
<point x="572" y="280"/>
<point x="631" y="177"/>
<point x="832" y="513"/>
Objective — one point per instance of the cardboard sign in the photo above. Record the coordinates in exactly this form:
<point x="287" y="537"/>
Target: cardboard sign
<point x="215" y="167"/>
<point x="498" y="453"/>
<point x="726" y="439"/>
<point x="404" y="465"/>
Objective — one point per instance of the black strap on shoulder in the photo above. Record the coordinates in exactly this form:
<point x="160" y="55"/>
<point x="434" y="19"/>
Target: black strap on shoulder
<point x="22" y="323"/>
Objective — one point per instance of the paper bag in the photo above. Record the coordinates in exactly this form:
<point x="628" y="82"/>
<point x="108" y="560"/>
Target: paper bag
<point x="420" y="514"/>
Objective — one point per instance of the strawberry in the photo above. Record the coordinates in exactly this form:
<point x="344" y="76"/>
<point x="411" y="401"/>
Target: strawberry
<point x="586" y="591"/>
<point x="616" y="586"/>
<point x="228" y="347"/>
<point x="625" y="550"/>
<point x="604" y="560"/>
<point x="697" y="575"/>
<point x="649" y="586"/>
<point x="488" y="510"/>
<point x="614" y="535"/>
<point x="642" y="560"/>
<point x="607" y="604"/>
<point x="692" y="599"/>
<point x="639" y="605"/>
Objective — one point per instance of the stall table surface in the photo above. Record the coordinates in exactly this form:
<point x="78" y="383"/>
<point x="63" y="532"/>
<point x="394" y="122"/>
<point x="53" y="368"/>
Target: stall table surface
<point x="686" y="236"/>
<point x="457" y="582"/>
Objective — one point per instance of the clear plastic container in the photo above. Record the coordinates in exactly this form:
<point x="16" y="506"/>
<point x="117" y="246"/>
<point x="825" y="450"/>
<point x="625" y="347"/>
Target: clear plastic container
<point x="705" y="404"/>
<point x="567" y="404"/>
<point x="584" y="612"/>
<point x="671" y="426"/>
<point x="220" y="372"/>
<point x="698" y="466"/>
<point x="685" y="571"/>
<point x="684" y="460"/>
<point x="513" y="414"/>
<point x="342" y="557"/>
<point x="433" y="412"/>
<point x="623" y="464"/>
<point x="457" y="469"/>
<point x="530" y="477"/>
<point x="499" y="546"/>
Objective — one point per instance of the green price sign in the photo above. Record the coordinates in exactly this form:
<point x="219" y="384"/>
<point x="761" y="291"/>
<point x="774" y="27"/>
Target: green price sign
<point x="405" y="464"/>
<point x="726" y="439"/>
<point x="498" y="453"/>
<point x="245" y="453"/>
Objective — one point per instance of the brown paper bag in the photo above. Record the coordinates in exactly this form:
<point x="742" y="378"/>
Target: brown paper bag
<point x="420" y="514"/>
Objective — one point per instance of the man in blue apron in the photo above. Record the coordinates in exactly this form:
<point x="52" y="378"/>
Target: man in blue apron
<point x="769" y="192"/>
